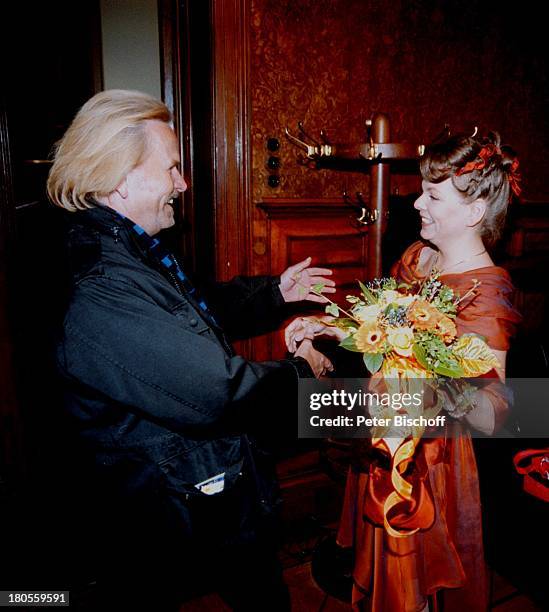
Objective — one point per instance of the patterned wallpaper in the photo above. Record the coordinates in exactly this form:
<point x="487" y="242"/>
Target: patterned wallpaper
<point x="332" y="63"/>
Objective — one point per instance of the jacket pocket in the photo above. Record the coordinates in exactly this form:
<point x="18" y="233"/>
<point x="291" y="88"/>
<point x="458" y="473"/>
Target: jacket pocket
<point x="184" y="470"/>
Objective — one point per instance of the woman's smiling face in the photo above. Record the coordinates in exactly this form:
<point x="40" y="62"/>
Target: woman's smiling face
<point x="443" y="211"/>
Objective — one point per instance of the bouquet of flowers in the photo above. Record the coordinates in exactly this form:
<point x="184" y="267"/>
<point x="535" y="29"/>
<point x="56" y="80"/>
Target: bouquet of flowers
<point x="406" y="333"/>
<point x="410" y="332"/>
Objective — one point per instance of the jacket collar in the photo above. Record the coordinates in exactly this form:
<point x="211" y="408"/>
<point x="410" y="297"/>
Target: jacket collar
<point x="101" y="218"/>
<point x="106" y="221"/>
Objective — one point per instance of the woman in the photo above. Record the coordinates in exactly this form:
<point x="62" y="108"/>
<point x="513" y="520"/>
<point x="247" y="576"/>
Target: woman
<point x="467" y="184"/>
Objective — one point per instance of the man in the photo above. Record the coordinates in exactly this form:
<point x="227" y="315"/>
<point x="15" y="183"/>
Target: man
<point x="155" y="391"/>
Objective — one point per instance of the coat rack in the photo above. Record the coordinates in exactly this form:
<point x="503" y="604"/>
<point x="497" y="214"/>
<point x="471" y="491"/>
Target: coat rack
<point x="379" y="151"/>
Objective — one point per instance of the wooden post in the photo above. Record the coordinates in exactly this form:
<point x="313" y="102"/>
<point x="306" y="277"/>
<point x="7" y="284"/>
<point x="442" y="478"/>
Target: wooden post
<point x="379" y="195"/>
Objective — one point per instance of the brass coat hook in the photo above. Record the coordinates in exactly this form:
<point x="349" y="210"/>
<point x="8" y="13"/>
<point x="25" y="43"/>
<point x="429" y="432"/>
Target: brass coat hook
<point x="313" y="150"/>
<point x="305" y="135"/>
<point x="310" y="149"/>
<point x="371" y="151"/>
<point x="366" y="216"/>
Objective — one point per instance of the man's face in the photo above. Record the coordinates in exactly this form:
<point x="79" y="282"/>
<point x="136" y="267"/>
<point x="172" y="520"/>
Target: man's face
<point x="156" y="181"/>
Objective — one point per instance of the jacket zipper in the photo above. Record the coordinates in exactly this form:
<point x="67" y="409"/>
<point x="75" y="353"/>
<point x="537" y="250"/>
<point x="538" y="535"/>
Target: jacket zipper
<point x="175" y="283"/>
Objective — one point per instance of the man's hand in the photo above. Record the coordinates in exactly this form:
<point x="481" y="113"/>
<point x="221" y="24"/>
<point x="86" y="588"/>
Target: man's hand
<point x="319" y="363"/>
<point x="298" y="281"/>
<point x="309" y="328"/>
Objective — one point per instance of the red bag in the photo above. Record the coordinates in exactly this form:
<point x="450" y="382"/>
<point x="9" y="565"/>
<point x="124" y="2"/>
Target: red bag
<point x="536" y="472"/>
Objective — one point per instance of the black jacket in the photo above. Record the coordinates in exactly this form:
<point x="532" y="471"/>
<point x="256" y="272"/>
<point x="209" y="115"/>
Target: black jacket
<point x="154" y="389"/>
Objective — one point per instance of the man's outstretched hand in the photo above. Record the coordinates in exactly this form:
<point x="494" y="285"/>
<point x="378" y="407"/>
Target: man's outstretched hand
<point x="299" y="282"/>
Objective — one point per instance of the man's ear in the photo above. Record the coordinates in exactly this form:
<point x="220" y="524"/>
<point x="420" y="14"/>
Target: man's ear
<point x="477" y="210"/>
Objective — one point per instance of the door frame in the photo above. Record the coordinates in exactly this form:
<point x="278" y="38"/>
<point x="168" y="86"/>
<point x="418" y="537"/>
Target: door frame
<point x="212" y="117"/>
<point x="11" y="438"/>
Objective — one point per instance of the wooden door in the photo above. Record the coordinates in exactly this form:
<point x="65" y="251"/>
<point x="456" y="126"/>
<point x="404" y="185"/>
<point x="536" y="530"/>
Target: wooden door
<point x="322" y="229"/>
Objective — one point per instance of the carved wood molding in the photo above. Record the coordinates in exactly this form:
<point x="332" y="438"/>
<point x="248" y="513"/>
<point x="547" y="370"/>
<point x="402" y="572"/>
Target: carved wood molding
<point x="298" y="206"/>
<point x="231" y="135"/>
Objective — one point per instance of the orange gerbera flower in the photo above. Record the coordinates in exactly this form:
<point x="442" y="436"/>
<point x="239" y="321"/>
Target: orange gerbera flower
<point x="423" y="315"/>
<point x="369" y="338"/>
<point x="446" y="328"/>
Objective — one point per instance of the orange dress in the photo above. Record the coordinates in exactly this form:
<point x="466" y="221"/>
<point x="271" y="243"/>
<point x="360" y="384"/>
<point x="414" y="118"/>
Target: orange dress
<point x="398" y="574"/>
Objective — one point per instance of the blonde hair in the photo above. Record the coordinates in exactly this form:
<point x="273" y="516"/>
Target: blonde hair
<point x="104" y="142"/>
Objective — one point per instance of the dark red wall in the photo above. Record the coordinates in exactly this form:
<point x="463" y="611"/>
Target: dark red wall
<point x="332" y="63"/>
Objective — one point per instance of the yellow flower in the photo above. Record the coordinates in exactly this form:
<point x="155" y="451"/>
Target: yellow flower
<point x="369" y="338"/>
<point x="367" y="314"/>
<point x="447" y="329"/>
<point x="401" y="339"/>
<point x="423" y="315"/>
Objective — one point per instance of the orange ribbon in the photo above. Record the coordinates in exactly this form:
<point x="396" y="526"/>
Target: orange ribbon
<point x="402" y="488"/>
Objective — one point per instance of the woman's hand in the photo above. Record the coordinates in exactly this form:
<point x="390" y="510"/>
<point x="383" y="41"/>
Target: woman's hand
<point x="310" y="328"/>
<point x="319" y="363"/>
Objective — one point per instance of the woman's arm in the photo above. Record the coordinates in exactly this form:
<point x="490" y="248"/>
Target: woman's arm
<point x="491" y="408"/>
